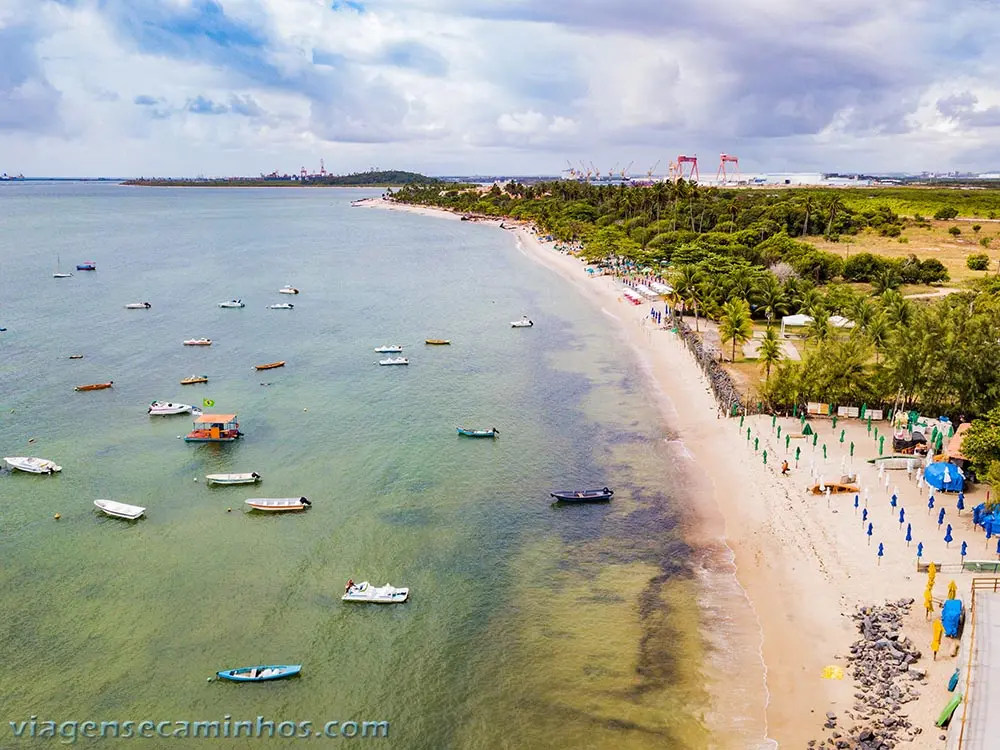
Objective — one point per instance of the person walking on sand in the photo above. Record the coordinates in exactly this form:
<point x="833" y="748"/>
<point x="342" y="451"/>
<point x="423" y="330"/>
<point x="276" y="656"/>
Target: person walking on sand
<point x="784" y="468"/>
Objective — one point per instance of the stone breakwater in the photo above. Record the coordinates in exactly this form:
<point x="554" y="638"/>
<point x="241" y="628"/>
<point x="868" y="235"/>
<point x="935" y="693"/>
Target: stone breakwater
<point x="885" y="679"/>
<point x="726" y="394"/>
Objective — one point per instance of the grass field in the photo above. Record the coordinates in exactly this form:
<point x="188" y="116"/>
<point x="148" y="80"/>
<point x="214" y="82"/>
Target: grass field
<point x="980" y="203"/>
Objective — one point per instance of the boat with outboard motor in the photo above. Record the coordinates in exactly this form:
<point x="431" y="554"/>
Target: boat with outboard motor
<point x="522" y="323"/>
<point x="583" y="496"/>
<point x="492" y="432"/>
<point x="394" y="361"/>
<point x="278" y="504"/>
<point x="365" y="592"/>
<point x="198" y="342"/>
<point x="233" y="303"/>
<point x="167" y="408"/>
<point x="389" y="349"/>
<point x="247" y="478"/>
<point x="270" y="365"/>
<point x="95" y="386"/>
<point x="32" y="465"/>
<point x="281" y="306"/>
<point x="288" y="289"/>
<point x="195" y="379"/>
<point x="120" y="510"/>
<point x="138" y="306"/>
<point x="87" y="265"/>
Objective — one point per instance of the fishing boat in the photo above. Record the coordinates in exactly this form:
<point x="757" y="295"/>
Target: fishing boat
<point x="389" y="349"/>
<point x="365" y="592"/>
<point x="260" y="674"/>
<point x="288" y="289"/>
<point x="233" y="303"/>
<point x="214" y="428"/>
<point x="198" y="342"/>
<point x="281" y="306"/>
<point x="87" y="265"/>
<point x="138" y="306"/>
<point x="120" y="510"/>
<point x="522" y="323"/>
<point x="847" y="483"/>
<point x="437" y="342"/>
<point x="95" y="386"/>
<point x="583" y="496"/>
<point x="32" y="465"/>
<point x="492" y="432"/>
<point x="195" y="379"/>
<point x="394" y="361"/>
<point x="248" y="478"/>
<point x="166" y="408"/>
<point x="76" y="356"/>
<point x="59" y="273"/>
<point x="270" y="366"/>
<point x="278" y="504"/>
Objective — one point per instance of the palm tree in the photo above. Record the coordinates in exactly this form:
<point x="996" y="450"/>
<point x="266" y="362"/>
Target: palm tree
<point x="769" y="354"/>
<point x="878" y="332"/>
<point x="771" y="298"/>
<point x="834" y="206"/>
<point x="898" y="310"/>
<point x="735" y="324"/>
<point x="807" y="205"/>
<point x="819" y="329"/>
<point x="810" y="300"/>
<point x="885" y="280"/>
<point x="687" y="283"/>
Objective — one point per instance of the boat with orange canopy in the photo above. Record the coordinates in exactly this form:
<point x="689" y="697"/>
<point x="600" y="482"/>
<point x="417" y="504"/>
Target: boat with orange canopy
<point x="214" y="428"/>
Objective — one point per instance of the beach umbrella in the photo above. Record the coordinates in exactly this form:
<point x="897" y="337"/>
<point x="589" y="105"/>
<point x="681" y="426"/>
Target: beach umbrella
<point x="756" y="442"/>
<point x="961" y="502"/>
<point x="741" y="419"/>
<point x="876" y="433"/>
<point x="857" y="502"/>
<point x="824" y="451"/>
<point x="869" y="532"/>
<point x="765" y="458"/>
<point x="869" y="425"/>
<point x="965" y="551"/>
<point x="936" y="640"/>
<point x="930" y="504"/>
<point x="948" y="538"/>
<point x="881" y="551"/>
<point x="940" y="517"/>
<point x="795" y="410"/>
<point x="852" y="449"/>
<point x="909" y="534"/>
<point x="864" y="515"/>
<point x="815" y="438"/>
<point x="902" y="517"/>
<point x="881" y="444"/>
<point x="931" y="575"/>
<point x="920" y="550"/>
<point x="779" y="432"/>
<point x="842" y="435"/>
<point x="748" y="434"/>
<point x="788" y="440"/>
<point x="893" y="499"/>
<point x="952" y="590"/>
<point x="774" y="420"/>
<point x="928" y="602"/>
<point x="835" y="421"/>
<point x="798" y="452"/>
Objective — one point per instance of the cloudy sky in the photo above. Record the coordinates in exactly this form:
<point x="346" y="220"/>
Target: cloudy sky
<point x="215" y="87"/>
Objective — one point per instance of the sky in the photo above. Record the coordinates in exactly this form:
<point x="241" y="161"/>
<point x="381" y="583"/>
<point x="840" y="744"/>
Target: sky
<point x="458" y="87"/>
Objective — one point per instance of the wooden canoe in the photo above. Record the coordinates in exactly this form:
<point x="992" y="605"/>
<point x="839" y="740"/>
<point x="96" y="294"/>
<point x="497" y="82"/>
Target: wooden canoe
<point x="836" y="488"/>
<point x="437" y="342"/>
<point x="95" y="386"/>
<point x="260" y="674"/>
<point x="195" y="379"/>
<point x="270" y="366"/>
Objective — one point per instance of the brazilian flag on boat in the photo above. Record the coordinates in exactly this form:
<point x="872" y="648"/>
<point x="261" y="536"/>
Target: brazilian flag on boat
<point x="208" y="402"/>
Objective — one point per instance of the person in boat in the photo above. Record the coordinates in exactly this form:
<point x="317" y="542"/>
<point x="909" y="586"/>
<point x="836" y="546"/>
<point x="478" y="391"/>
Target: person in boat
<point x="784" y="468"/>
<point x="350" y="585"/>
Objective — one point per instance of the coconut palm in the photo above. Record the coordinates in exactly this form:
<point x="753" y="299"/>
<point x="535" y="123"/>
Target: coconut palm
<point x="771" y="298"/>
<point x="897" y="308"/>
<point x="735" y="324"/>
<point x="769" y="354"/>
<point x="819" y="330"/>
<point x="687" y="283"/>
<point x="878" y="332"/>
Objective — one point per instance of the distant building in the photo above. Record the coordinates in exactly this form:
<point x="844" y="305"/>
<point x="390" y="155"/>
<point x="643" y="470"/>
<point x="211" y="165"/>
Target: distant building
<point x="990" y="176"/>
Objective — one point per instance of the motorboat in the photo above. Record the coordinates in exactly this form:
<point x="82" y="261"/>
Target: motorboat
<point x="492" y="432"/>
<point x="389" y="349"/>
<point x="87" y="265"/>
<point x="583" y="496"/>
<point x="248" y="478"/>
<point x="394" y="361"/>
<point x="281" y="306"/>
<point x="120" y="510"/>
<point x="76" y="356"/>
<point x="522" y="323"/>
<point x="214" y="428"/>
<point x="260" y="674"/>
<point x="138" y="306"/>
<point x="365" y="592"/>
<point x="288" y="289"/>
<point x="95" y="386"/>
<point x="437" y="342"/>
<point x="195" y="379"/>
<point x="233" y="303"/>
<point x="270" y="365"/>
<point x="32" y="465"/>
<point x="198" y="342"/>
<point x="278" y="504"/>
<point x="166" y="408"/>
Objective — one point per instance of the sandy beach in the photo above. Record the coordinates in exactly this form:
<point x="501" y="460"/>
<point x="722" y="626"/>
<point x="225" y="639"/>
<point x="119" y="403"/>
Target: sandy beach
<point x="803" y="563"/>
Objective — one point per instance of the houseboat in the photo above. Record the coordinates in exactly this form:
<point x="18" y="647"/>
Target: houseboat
<point x="214" y="428"/>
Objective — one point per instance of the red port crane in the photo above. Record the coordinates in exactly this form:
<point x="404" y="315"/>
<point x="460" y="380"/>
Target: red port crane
<point x="692" y="174"/>
<point x="723" y="176"/>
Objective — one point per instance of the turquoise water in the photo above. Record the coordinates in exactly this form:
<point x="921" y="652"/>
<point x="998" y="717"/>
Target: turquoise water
<point x="529" y="625"/>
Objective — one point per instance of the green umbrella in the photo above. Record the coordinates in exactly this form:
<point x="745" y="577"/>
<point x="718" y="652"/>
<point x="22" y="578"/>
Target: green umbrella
<point x="779" y="432"/>
<point x="842" y="435"/>
<point x="741" y="422"/>
<point x="748" y="434"/>
<point x="815" y="438"/>
<point x="788" y="439"/>
<point x="765" y="458"/>
<point x="852" y="449"/>
<point x="824" y="451"/>
<point x="756" y="442"/>
<point x="835" y="422"/>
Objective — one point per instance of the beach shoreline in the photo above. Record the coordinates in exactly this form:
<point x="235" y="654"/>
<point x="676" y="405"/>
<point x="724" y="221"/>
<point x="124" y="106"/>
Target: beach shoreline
<point x="801" y="563"/>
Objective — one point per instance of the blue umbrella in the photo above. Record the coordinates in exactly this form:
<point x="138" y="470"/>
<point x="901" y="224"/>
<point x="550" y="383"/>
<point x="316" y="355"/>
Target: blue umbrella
<point x="902" y="516"/>
<point x="856" y="503"/>
<point x="869" y="532"/>
<point x="965" y="549"/>
<point x="930" y="503"/>
<point x="892" y="500"/>
<point x="961" y="502"/>
<point x="920" y="550"/>
<point x="909" y="534"/>
<point x="947" y="535"/>
<point x="998" y="546"/>
<point x="881" y="551"/>
<point x="940" y="517"/>
<point x="989" y="530"/>
<point x="864" y="515"/>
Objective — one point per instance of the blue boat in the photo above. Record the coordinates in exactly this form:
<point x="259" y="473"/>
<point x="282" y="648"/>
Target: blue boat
<point x="86" y="266"/>
<point x="492" y="432"/>
<point x="583" y="496"/>
<point x="260" y="674"/>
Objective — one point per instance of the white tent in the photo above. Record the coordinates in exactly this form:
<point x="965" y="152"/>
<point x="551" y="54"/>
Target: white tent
<point x="794" y="321"/>
<point x="839" y="321"/>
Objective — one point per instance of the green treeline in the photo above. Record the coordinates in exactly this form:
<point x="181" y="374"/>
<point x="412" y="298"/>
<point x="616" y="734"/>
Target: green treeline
<point x="740" y="255"/>
<point x="378" y="178"/>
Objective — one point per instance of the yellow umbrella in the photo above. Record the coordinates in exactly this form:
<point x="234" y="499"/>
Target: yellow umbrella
<point x="936" y="640"/>
<point x="931" y="574"/>
<point x="928" y="601"/>
<point x="952" y="590"/>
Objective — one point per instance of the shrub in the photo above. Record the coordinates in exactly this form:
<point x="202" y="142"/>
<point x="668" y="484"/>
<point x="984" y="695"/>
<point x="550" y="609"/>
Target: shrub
<point x="862" y="267"/>
<point x="891" y="230"/>
<point x="946" y="212"/>
<point x="978" y="262"/>
<point x="954" y="231"/>
<point x="976" y="228"/>
<point x="985" y="242"/>
<point x="932" y="270"/>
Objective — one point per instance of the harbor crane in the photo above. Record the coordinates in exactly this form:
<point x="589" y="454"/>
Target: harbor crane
<point x="322" y="168"/>
<point x="722" y="177"/>
<point x="649" y="172"/>
<point x="677" y="171"/>
<point x="624" y="172"/>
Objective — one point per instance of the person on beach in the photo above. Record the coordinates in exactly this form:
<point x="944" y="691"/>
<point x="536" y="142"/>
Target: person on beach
<point x="784" y="468"/>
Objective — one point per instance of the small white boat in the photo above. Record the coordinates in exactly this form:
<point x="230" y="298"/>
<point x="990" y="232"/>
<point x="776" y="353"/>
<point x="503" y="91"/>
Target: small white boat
<point x="288" y="289"/>
<point x="166" y="408"/>
<point x="394" y="361"/>
<point x="281" y="306"/>
<point x="232" y="303"/>
<point x="32" y="465"/>
<point x="522" y="323"/>
<point x="248" y="478"/>
<point x="138" y="306"/>
<point x="120" y="510"/>
<point x="62" y="275"/>
<point x="198" y="342"/>
<point x="278" y="504"/>
<point x="365" y="592"/>
<point x="389" y="349"/>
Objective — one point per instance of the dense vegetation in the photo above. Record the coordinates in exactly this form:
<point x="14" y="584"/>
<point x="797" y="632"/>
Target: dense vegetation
<point x="382" y="178"/>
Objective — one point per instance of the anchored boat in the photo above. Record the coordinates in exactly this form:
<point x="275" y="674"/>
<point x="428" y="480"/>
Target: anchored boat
<point x="437" y="342"/>
<point x="365" y="592"/>
<point x="32" y="465"/>
<point x="281" y="306"/>
<point x="583" y="496"/>
<point x="198" y="342"/>
<point x="87" y="265"/>
<point x="389" y="349"/>
<point x="248" y="478"/>
<point x="522" y="323"/>
<point x="120" y="510"/>
<point x="167" y="408"/>
<point x="214" y="428"/>
<point x="95" y="386"/>
<point x="288" y="289"/>
<point x="138" y="306"/>
<point x="195" y="379"/>
<point x="232" y="303"/>
<point x="492" y="432"/>
<point x="278" y="504"/>
<point x="260" y="674"/>
<point x="394" y="361"/>
<point x="270" y="366"/>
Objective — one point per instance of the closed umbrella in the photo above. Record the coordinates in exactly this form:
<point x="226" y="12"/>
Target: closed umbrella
<point x="856" y="503"/>
<point x="869" y="532"/>
<point x="864" y="515"/>
<point x="920" y="550"/>
<point x="948" y="539"/>
<point x="881" y="551"/>
<point x="930" y="504"/>
<point x="902" y="517"/>
<point x="961" y="502"/>
<point x="965" y="550"/>
<point x="928" y="603"/>
<point x="909" y="534"/>
<point x="892" y="500"/>
<point x="940" y="518"/>
<point x="952" y="590"/>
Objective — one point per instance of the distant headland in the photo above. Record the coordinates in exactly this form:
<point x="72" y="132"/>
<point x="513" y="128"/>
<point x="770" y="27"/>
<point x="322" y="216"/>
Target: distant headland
<point x="379" y="178"/>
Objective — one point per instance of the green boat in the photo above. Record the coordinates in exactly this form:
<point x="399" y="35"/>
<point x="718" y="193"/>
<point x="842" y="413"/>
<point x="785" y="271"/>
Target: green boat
<point x="492" y="432"/>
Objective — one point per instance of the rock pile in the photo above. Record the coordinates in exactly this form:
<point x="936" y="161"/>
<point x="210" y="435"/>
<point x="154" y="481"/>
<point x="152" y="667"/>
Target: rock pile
<point x="723" y="387"/>
<point x="882" y="666"/>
